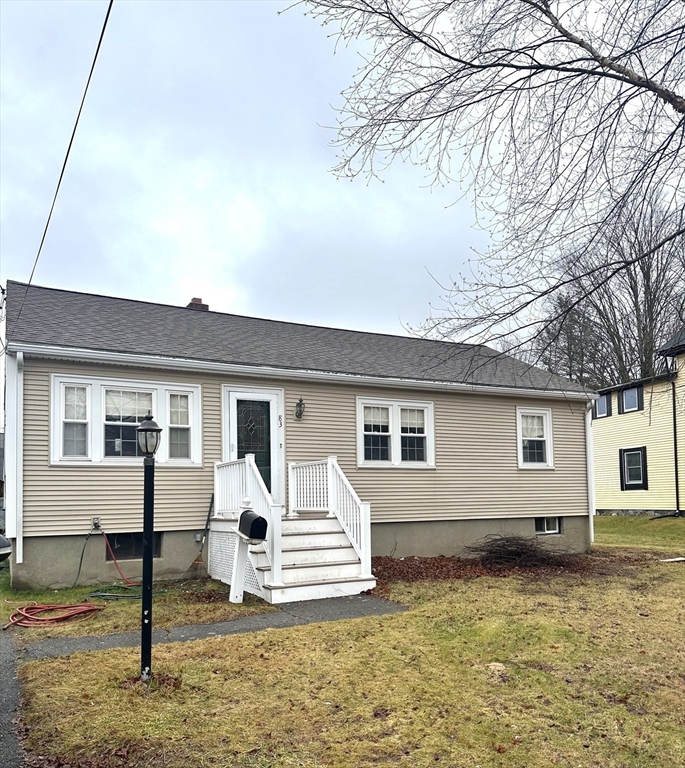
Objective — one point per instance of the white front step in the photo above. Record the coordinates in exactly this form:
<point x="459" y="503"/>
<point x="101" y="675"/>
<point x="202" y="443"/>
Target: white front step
<point x="292" y="574"/>
<point x="316" y="590"/>
<point x="299" y="525"/>
<point x="314" y="540"/>
<point x="307" y="556"/>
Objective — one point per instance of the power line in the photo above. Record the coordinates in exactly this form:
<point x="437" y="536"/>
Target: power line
<point x="64" y="166"/>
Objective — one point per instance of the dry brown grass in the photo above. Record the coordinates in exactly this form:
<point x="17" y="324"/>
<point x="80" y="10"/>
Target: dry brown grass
<point x="569" y="670"/>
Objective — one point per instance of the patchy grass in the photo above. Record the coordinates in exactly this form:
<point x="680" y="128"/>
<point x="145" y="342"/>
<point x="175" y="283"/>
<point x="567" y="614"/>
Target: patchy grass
<point x="199" y="601"/>
<point x="667" y="534"/>
<point x="571" y="670"/>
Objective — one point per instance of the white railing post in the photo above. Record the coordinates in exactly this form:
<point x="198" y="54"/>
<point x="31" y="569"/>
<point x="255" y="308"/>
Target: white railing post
<point x="366" y="539"/>
<point x="275" y="546"/>
<point x="292" y="490"/>
<point x="250" y="468"/>
<point x="332" y="494"/>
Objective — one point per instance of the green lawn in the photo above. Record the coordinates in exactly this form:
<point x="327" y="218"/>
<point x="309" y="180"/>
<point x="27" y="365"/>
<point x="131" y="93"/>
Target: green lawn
<point x="667" y="534"/>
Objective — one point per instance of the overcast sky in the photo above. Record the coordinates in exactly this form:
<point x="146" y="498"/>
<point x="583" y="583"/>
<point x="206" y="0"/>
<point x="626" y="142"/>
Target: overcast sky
<point x="201" y="167"/>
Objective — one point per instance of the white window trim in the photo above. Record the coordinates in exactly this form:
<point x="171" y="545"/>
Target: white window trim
<point x="555" y="532"/>
<point x="394" y="407"/>
<point x="546" y="413"/>
<point x="637" y="399"/>
<point x="640" y="453"/>
<point x="602" y="398"/>
<point x="96" y="387"/>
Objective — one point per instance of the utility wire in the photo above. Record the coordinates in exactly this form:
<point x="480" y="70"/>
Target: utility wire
<point x="64" y="167"/>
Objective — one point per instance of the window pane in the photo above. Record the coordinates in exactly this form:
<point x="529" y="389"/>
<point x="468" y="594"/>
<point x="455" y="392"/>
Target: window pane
<point x="121" y="441"/>
<point x="630" y="400"/>
<point x="376" y="448"/>
<point x="75" y="440"/>
<point x="534" y="452"/>
<point x="178" y="410"/>
<point x="413" y="448"/>
<point x="412" y="421"/>
<point x="601" y="409"/>
<point x="131" y="407"/>
<point x="75" y="403"/>
<point x="376" y="419"/>
<point x="540" y="525"/>
<point x="533" y="426"/>
<point x="633" y="462"/>
<point x="179" y="443"/>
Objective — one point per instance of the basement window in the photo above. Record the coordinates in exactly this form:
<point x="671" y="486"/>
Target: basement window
<point x="544" y="525"/>
<point x="129" y="546"/>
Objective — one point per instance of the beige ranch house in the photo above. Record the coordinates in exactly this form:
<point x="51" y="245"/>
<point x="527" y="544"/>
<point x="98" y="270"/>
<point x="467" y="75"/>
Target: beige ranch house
<point x="350" y="444"/>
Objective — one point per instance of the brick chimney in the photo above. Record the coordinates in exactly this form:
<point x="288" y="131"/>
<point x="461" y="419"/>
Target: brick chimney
<point x="197" y="304"/>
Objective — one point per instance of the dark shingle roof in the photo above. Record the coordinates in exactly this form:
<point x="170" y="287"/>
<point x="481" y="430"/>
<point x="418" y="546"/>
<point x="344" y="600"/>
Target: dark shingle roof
<point x="675" y="345"/>
<point x="69" y="319"/>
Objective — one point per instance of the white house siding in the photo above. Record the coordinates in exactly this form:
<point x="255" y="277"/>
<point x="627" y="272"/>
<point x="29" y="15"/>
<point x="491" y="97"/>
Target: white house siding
<point x="476" y="473"/>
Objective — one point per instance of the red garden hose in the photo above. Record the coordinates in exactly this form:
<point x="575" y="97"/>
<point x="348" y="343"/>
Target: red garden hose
<point x="30" y="615"/>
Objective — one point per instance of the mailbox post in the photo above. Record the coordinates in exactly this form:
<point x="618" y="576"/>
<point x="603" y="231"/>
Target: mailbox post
<point x="251" y="530"/>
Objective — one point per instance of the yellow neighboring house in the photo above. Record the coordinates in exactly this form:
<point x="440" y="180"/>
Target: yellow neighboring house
<point x="638" y="432"/>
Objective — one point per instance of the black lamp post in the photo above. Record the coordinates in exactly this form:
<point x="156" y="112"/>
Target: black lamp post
<point x="148" y="441"/>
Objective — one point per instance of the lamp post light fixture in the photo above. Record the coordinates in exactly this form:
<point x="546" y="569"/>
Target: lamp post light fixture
<point x="148" y="434"/>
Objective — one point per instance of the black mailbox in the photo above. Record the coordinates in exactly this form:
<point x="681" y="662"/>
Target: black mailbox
<point x="252" y="525"/>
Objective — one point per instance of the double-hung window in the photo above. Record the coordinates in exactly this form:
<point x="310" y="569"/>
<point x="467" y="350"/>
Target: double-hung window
<point x="633" y="469"/>
<point x="395" y="433"/>
<point x="95" y="420"/>
<point x="535" y="444"/>
<point x="75" y="417"/>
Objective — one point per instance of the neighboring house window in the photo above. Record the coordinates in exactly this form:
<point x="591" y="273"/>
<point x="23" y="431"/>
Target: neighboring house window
<point x="535" y="447"/>
<point x="633" y="469"/>
<point x="547" y="525"/>
<point x="75" y="422"/>
<point x="630" y="399"/>
<point x="602" y="406"/>
<point x="95" y="420"/>
<point x="395" y="433"/>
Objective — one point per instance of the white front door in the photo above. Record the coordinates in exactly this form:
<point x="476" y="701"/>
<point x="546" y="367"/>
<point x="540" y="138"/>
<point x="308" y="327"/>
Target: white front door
<point x="253" y="423"/>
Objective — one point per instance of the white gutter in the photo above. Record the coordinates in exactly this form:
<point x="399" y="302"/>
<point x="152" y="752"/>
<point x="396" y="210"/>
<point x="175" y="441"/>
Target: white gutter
<point x="589" y="456"/>
<point x="201" y="366"/>
<point x="14" y="451"/>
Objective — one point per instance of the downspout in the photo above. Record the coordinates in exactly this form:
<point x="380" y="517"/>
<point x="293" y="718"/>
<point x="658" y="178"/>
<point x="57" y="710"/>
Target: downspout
<point x="675" y="450"/>
<point x="589" y="455"/>
<point x="14" y="425"/>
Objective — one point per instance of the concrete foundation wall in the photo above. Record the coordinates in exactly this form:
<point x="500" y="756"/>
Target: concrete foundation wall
<point x="430" y="539"/>
<point x="52" y="561"/>
<point x="634" y="512"/>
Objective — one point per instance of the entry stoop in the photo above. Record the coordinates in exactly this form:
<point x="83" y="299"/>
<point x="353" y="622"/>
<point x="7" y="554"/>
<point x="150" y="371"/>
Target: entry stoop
<point x="319" y="561"/>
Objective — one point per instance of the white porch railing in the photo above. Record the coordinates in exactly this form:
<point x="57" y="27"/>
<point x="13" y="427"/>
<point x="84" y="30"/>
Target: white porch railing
<point x="321" y="486"/>
<point x="238" y="484"/>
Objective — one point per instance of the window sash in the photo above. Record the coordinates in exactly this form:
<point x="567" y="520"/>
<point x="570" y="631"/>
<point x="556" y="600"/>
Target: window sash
<point x="547" y="525"/>
<point x="75" y="419"/>
<point x="632" y="462"/>
<point x="634" y="404"/>
<point x="601" y="407"/>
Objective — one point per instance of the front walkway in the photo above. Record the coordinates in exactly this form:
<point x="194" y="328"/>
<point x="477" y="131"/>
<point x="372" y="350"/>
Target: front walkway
<point x="288" y="615"/>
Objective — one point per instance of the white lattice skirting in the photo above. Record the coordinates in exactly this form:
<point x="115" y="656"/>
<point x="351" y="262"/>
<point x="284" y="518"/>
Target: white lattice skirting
<point x="222" y="548"/>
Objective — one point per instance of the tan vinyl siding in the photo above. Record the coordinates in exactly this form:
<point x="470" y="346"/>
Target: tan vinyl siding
<point x="652" y="428"/>
<point x="476" y="472"/>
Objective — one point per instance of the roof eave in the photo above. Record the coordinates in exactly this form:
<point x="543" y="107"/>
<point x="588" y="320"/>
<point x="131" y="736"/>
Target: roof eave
<point x="85" y="355"/>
